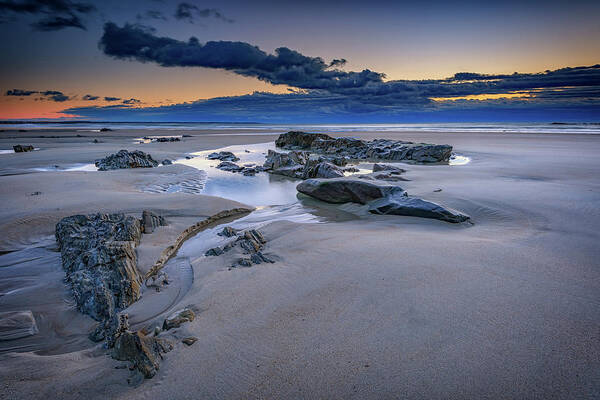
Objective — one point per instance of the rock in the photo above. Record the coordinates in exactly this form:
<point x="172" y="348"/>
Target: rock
<point x="188" y="157"/>
<point x="351" y="169"/>
<point x="259" y="258"/>
<point x="279" y="161"/>
<point x="388" y="176"/>
<point x="167" y="139"/>
<point x="186" y="136"/>
<point x="244" y="262"/>
<point x="388" y="168"/>
<point x="228" y="232"/>
<point x="437" y="190"/>
<point x="126" y="159"/>
<point x="298" y="140"/>
<point x="35" y="193"/>
<point x="17" y="325"/>
<point x="19" y="148"/>
<point x="229" y="166"/>
<point x="215" y="251"/>
<point x="99" y="259"/>
<point x="105" y="130"/>
<point x="144" y="352"/>
<point x="414" y="207"/>
<point x="96" y="141"/>
<point x="167" y="162"/>
<point x="223" y="156"/>
<point x="296" y="164"/>
<point x="378" y="149"/>
<point x="151" y="221"/>
<point x="178" y="318"/>
<point x="316" y="169"/>
<point x="343" y="190"/>
<point x="190" y="340"/>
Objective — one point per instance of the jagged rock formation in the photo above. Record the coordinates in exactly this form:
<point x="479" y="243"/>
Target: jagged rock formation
<point x="126" y="159"/>
<point x="344" y="190"/>
<point x="247" y="169"/>
<point x="391" y="169"/>
<point x="250" y="242"/>
<point x="378" y="149"/>
<point x="151" y="221"/>
<point x="297" y="164"/>
<point x="98" y="256"/>
<point x="143" y="351"/>
<point x="223" y="156"/>
<point x="19" y="148"/>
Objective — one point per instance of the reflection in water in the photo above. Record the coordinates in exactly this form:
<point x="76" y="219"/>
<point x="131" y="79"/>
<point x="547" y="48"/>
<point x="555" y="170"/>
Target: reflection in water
<point x="259" y="190"/>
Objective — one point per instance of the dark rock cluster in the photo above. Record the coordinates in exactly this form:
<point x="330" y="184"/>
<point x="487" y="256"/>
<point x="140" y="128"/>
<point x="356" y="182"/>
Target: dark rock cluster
<point x="357" y="149"/>
<point x="247" y="169"/>
<point x="19" y="148"/>
<point x="126" y="159"/>
<point x="223" y="156"/>
<point x="250" y="243"/>
<point x="99" y="259"/>
<point x="299" y="164"/>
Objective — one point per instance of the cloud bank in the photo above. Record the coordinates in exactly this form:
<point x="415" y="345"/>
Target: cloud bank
<point x="189" y="12"/>
<point x="56" y="14"/>
<point x="53" y="95"/>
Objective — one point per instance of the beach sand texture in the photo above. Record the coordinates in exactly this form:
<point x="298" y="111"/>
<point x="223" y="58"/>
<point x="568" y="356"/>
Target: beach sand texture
<point x="360" y="306"/>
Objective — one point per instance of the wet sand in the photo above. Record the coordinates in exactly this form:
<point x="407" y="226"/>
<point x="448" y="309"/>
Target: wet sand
<point x="357" y="305"/>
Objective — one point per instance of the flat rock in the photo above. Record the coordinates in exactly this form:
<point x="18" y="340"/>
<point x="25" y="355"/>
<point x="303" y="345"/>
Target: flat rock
<point x="357" y="149"/>
<point x="17" y="324"/>
<point x="415" y="207"/>
<point x="125" y="159"/>
<point x="391" y="169"/>
<point x="190" y="340"/>
<point x="344" y="190"/>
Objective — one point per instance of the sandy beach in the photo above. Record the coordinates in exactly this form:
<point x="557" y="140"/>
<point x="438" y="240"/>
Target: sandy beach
<point x="355" y="306"/>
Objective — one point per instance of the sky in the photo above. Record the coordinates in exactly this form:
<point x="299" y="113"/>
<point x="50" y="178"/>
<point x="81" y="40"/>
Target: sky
<point x="300" y="61"/>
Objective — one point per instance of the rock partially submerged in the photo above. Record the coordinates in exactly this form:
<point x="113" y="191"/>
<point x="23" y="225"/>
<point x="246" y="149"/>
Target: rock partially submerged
<point x="414" y="207"/>
<point x="248" y="169"/>
<point x="344" y="190"/>
<point x="223" y="156"/>
<point x="378" y="149"/>
<point x="19" y="148"/>
<point x="300" y="165"/>
<point x="99" y="259"/>
<point x="391" y="169"/>
<point x="126" y="159"/>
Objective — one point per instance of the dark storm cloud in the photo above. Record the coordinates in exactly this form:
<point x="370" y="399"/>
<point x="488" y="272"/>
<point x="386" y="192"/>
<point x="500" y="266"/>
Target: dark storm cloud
<point x="90" y="97"/>
<point x="108" y="98"/>
<point x="57" y="14"/>
<point x="286" y="66"/>
<point x="289" y="67"/>
<point x="55" y="95"/>
<point x="20" y="92"/>
<point x="189" y="12"/>
<point x="132" y="101"/>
